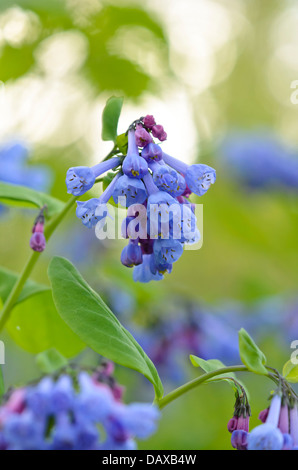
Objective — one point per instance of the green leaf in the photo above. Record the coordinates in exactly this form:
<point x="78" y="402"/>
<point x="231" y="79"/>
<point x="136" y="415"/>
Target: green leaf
<point x="250" y="354"/>
<point x="110" y="118"/>
<point x="122" y="143"/>
<point x="36" y="326"/>
<point x="290" y="372"/>
<point x="50" y="361"/>
<point x="213" y="365"/>
<point x="7" y="281"/>
<point x="89" y="317"/>
<point x="27" y="197"/>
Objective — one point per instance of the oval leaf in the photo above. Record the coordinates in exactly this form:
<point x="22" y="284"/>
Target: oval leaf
<point x="110" y="118"/>
<point x="250" y="354"/>
<point x="28" y="197"/>
<point x="290" y="372"/>
<point x="36" y="326"/>
<point x="90" y="318"/>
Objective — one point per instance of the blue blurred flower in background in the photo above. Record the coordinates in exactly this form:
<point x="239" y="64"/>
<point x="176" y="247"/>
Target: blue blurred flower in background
<point x="260" y="159"/>
<point x="207" y="331"/>
<point x="14" y="167"/>
<point x="65" y="414"/>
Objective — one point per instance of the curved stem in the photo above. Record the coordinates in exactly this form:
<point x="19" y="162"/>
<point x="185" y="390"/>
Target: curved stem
<point x="161" y="403"/>
<point x="34" y="256"/>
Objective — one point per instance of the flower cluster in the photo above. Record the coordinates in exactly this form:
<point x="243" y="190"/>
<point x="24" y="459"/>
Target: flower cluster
<point x="37" y="240"/>
<point x="278" y="431"/>
<point x="154" y="187"/>
<point x="74" y="413"/>
<point x="239" y="424"/>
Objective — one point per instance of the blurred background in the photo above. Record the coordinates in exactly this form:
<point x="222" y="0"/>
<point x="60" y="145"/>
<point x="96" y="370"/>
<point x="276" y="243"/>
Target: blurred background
<point x="217" y="75"/>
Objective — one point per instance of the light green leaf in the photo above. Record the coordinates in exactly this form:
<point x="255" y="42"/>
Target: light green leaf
<point x="122" y="143"/>
<point x="7" y="281"/>
<point x="50" y="361"/>
<point x="36" y="326"/>
<point x="290" y="372"/>
<point x="250" y="354"/>
<point x="213" y="365"/>
<point x="110" y="118"/>
<point x="90" y="318"/>
<point x="28" y="197"/>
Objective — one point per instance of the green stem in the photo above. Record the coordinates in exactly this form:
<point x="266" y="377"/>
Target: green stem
<point x="161" y="403"/>
<point x="17" y="288"/>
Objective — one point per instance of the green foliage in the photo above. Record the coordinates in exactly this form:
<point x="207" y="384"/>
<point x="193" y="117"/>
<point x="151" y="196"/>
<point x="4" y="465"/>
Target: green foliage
<point x="122" y="143"/>
<point x="36" y="326"/>
<point x="110" y="118"/>
<point x="50" y="361"/>
<point x="15" y="62"/>
<point x="27" y="197"/>
<point x="250" y="354"/>
<point x="90" y="318"/>
<point x="105" y="69"/>
<point x="213" y="365"/>
<point x="7" y="281"/>
<point x="290" y="372"/>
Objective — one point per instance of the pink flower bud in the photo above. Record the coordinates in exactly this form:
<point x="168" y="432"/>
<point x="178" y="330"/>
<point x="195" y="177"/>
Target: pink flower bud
<point x="149" y="121"/>
<point x="16" y="401"/>
<point x="159" y="132"/>
<point x="243" y="423"/>
<point x="38" y="241"/>
<point x="263" y="415"/>
<point x="232" y="424"/>
<point x="142" y="136"/>
<point x="38" y="227"/>
<point x="163" y="136"/>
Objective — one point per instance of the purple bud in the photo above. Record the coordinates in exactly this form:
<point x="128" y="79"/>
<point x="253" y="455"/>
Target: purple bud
<point x="159" y="132"/>
<point x="243" y="423"/>
<point x="283" y="423"/>
<point x="263" y="415"/>
<point x="143" y="137"/>
<point x="149" y="121"/>
<point x="131" y="254"/>
<point x="38" y="227"/>
<point x="38" y="241"/>
<point x="232" y="424"/>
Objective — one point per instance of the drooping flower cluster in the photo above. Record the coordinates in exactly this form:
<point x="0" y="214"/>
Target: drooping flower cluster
<point x="37" y="240"/>
<point x="238" y="426"/>
<point x="278" y="431"/>
<point x="154" y="187"/>
<point x="74" y="413"/>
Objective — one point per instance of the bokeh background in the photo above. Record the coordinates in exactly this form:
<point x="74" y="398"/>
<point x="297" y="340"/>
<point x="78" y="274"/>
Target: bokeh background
<point x="217" y="75"/>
